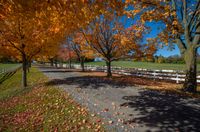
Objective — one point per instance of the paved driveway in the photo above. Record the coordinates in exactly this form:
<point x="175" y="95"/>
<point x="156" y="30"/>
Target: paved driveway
<point x="128" y="108"/>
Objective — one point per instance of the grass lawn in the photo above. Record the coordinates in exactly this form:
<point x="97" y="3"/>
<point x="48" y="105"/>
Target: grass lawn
<point x="40" y="107"/>
<point x="146" y="65"/>
<point x="5" y="66"/>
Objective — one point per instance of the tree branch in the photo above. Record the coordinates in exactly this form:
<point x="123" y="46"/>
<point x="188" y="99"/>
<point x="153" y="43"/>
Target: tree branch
<point x="181" y="45"/>
<point x="197" y="36"/>
<point x="195" y="13"/>
<point x="14" y="46"/>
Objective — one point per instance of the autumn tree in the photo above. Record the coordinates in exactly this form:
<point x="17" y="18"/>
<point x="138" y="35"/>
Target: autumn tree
<point x="148" y="50"/>
<point x="65" y="53"/>
<point x="53" y="45"/>
<point x="144" y="52"/>
<point x="108" y="38"/>
<point x="80" y="47"/>
<point x="24" y="27"/>
<point x="75" y="15"/>
<point x="6" y="54"/>
<point x="140" y="50"/>
<point x="182" y="20"/>
<point x="17" y="30"/>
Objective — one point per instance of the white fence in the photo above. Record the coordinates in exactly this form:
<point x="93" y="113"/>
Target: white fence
<point x="177" y="76"/>
<point x="8" y="72"/>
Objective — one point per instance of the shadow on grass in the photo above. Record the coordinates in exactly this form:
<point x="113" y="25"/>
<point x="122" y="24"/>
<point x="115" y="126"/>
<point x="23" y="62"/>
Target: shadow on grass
<point x="93" y="82"/>
<point x="166" y="111"/>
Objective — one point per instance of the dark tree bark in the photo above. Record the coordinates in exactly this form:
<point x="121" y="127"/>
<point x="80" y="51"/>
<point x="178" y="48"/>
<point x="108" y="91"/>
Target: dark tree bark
<point x="190" y="84"/>
<point x="51" y="61"/>
<point x="70" y="64"/>
<point x="188" y="42"/>
<point x="56" y="63"/>
<point x="60" y="64"/>
<point x="28" y="66"/>
<point x="108" y="64"/>
<point x="82" y="64"/>
<point x="24" y="70"/>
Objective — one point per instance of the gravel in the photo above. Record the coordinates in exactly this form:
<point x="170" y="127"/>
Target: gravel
<point x="128" y="108"/>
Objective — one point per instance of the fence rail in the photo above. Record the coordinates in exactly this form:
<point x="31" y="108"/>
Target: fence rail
<point x="8" y="72"/>
<point x="173" y="75"/>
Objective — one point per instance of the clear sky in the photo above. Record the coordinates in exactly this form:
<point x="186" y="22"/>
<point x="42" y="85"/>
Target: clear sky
<point x="156" y="27"/>
<point x="165" y="51"/>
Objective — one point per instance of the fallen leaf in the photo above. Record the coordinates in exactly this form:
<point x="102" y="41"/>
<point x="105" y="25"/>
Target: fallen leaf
<point x="110" y="122"/>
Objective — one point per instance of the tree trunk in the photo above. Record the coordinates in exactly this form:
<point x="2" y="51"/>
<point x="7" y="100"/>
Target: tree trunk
<point x="70" y="64"/>
<point x="51" y="61"/>
<point x="56" y="64"/>
<point x="61" y="64"/>
<point x="24" y="71"/>
<point x="108" y="64"/>
<point x="28" y="69"/>
<point x="28" y="66"/>
<point x="82" y="64"/>
<point x="190" y="84"/>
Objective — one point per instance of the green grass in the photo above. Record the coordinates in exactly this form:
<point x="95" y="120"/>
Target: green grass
<point x="12" y="86"/>
<point x="7" y="66"/>
<point x="146" y="65"/>
<point x="40" y="107"/>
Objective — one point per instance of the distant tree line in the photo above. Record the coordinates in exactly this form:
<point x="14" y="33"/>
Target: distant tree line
<point x="174" y="59"/>
<point x="7" y="59"/>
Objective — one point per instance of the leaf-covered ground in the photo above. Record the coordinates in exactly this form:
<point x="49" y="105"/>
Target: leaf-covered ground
<point x="41" y="108"/>
<point x="124" y="105"/>
<point x="158" y="85"/>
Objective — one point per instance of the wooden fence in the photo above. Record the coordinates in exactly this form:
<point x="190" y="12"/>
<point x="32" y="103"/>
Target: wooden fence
<point x="173" y="75"/>
<point x="7" y="73"/>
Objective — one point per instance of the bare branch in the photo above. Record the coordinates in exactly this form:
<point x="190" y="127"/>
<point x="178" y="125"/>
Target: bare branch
<point x="194" y="14"/>
<point x="197" y="36"/>
<point x="13" y="45"/>
<point x="181" y="45"/>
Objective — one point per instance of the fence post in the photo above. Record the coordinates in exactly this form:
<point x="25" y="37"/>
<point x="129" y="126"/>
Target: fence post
<point x="154" y="75"/>
<point x="177" y="79"/>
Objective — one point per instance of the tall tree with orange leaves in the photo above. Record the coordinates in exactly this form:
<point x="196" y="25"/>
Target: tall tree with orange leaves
<point x="25" y="27"/>
<point x="110" y="40"/>
<point x="65" y="54"/>
<point x="81" y="48"/>
<point x="182" y="20"/>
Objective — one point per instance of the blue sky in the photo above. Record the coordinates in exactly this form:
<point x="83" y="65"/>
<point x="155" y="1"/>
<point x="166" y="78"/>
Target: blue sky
<point x="156" y="27"/>
<point x="165" y="51"/>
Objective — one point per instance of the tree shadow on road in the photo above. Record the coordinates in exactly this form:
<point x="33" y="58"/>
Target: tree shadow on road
<point x="93" y="82"/>
<point x="59" y="71"/>
<point x="166" y="111"/>
<point x="49" y="69"/>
